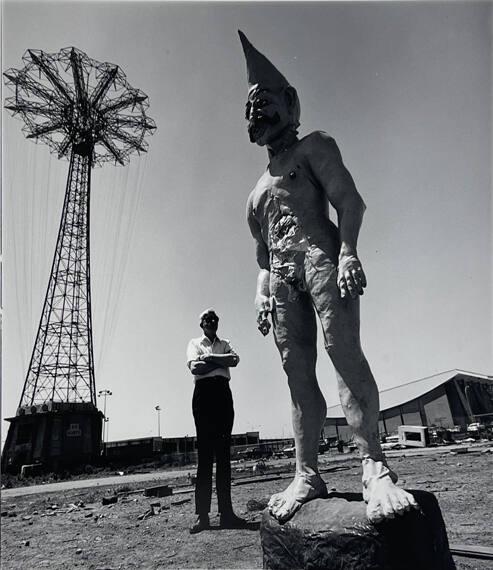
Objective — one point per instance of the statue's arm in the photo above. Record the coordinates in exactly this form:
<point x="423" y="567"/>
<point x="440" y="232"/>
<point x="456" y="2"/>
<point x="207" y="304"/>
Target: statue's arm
<point x="262" y="295"/>
<point x="327" y="165"/>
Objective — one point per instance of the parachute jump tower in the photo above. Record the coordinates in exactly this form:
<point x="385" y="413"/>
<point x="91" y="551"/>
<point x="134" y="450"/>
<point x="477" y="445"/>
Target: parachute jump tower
<point x="87" y="112"/>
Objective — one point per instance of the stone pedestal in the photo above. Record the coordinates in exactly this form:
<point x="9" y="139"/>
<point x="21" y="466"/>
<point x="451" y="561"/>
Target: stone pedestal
<point x="334" y="534"/>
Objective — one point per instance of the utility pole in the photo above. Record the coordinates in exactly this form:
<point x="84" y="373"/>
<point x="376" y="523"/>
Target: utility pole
<point x="158" y="410"/>
<point x="105" y="393"/>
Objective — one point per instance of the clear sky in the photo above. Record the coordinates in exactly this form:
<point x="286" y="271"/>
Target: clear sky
<point x="405" y="89"/>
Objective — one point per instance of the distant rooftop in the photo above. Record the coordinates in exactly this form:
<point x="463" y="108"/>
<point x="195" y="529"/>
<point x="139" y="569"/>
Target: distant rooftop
<point x="398" y="395"/>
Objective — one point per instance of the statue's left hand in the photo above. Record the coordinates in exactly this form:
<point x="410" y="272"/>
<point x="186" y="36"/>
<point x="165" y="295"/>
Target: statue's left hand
<point x="351" y="278"/>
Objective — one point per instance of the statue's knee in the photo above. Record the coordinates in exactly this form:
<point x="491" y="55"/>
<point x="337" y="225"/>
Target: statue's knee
<point x="298" y="362"/>
<point x="288" y="361"/>
<point x="345" y="354"/>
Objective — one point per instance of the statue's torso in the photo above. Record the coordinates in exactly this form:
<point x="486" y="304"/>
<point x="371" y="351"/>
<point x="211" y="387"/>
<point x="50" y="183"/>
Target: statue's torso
<point x="290" y="205"/>
<point x="291" y="208"/>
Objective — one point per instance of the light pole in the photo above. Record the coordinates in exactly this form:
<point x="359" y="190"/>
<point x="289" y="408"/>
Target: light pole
<point x="158" y="410"/>
<point x="105" y="393"/>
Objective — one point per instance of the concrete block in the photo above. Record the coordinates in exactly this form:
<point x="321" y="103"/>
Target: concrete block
<point x="414" y="436"/>
<point x="158" y="491"/>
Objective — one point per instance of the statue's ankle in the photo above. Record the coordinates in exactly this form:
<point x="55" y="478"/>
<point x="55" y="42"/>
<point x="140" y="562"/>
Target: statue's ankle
<point x="308" y="474"/>
<point x="376" y="468"/>
<point x="311" y="479"/>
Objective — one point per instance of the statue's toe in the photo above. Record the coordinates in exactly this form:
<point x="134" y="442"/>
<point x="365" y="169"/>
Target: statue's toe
<point x="374" y="513"/>
<point x="282" y="506"/>
<point x="407" y="502"/>
<point x="399" y="507"/>
<point x="412" y="501"/>
<point x="389" y="510"/>
<point x="379" y="509"/>
<point x="287" y="511"/>
<point x="403" y="501"/>
<point x="387" y="501"/>
<point x="275" y="500"/>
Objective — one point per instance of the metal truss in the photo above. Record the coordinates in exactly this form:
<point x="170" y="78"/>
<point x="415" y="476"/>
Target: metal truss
<point x="87" y="112"/>
<point x="62" y="363"/>
<point x="68" y="100"/>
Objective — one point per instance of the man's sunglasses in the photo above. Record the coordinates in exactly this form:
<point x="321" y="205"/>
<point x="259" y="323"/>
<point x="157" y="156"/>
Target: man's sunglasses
<point x="210" y="319"/>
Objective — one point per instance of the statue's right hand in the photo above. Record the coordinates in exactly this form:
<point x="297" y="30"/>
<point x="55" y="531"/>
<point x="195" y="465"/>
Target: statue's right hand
<point x="263" y="307"/>
<point x="263" y="325"/>
<point x="262" y="304"/>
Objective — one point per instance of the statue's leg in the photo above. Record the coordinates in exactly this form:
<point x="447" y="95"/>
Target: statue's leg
<point x="357" y="391"/>
<point x="295" y="334"/>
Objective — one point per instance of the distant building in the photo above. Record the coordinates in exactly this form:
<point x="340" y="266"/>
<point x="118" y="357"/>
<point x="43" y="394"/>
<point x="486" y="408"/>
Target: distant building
<point x="176" y="449"/>
<point x="452" y="398"/>
<point x="58" y="435"/>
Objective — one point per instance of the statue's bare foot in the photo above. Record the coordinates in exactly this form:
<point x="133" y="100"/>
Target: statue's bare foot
<point x="302" y="488"/>
<point x="384" y="498"/>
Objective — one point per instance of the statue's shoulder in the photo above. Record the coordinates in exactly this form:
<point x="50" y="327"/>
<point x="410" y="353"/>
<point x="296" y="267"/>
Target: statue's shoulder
<point x="320" y="147"/>
<point x="318" y="139"/>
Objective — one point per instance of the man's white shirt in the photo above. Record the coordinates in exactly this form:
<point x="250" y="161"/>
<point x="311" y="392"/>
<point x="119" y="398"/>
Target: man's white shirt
<point x="203" y="346"/>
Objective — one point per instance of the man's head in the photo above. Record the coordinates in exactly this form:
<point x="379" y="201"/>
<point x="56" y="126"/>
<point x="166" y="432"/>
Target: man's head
<point x="273" y="106"/>
<point x="209" y="321"/>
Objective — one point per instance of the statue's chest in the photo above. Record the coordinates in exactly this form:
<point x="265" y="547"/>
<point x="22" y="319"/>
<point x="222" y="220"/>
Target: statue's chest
<point x="284" y="187"/>
<point x="286" y="183"/>
<point x="279" y="206"/>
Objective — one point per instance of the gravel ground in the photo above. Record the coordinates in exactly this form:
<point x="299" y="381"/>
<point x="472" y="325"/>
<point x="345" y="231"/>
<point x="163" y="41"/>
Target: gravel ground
<point x="73" y="529"/>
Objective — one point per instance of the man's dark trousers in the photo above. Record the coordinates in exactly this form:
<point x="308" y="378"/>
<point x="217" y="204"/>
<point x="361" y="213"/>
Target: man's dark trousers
<point x="213" y="413"/>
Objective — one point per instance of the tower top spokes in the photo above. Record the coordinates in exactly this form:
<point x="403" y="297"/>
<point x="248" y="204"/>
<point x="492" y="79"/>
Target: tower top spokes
<point x="73" y="103"/>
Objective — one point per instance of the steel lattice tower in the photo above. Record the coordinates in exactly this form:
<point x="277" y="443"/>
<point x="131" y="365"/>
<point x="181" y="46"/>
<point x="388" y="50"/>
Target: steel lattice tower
<point x="87" y="112"/>
<point x="61" y="367"/>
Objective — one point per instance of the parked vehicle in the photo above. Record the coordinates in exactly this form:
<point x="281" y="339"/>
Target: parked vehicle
<point x="475" y="427"/>
<point x="289" y="451"/>
<point x="255" y="453"/>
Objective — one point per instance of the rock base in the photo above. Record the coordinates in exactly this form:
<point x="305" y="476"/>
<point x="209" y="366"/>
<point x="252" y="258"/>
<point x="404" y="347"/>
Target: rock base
<point x="334" y="534"/>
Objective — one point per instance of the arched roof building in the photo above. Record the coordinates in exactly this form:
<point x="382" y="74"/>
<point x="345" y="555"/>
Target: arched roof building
<point x="451" y="398"/>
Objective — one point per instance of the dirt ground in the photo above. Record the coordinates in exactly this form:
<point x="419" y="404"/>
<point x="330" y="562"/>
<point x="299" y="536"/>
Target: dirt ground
<point x="73" y="529"/>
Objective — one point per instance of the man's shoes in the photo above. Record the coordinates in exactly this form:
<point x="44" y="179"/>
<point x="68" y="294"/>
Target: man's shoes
<point x="202" y="523"/>
<point x="230" y="520"/>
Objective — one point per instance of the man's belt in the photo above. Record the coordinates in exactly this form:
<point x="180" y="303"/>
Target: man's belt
<point x="211" y="379"/>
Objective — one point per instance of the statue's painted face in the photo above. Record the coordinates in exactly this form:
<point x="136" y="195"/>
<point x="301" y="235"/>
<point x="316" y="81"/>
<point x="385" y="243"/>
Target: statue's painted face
<point x="267" y="114"/>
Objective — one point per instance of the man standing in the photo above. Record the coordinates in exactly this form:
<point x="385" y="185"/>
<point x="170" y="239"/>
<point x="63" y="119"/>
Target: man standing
<point x="310" y="266"/>
<point x="209" y="359"/>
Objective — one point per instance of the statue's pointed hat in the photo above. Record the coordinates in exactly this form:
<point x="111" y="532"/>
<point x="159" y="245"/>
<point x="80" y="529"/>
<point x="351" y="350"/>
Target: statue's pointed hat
<point x="260" y="71"/>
